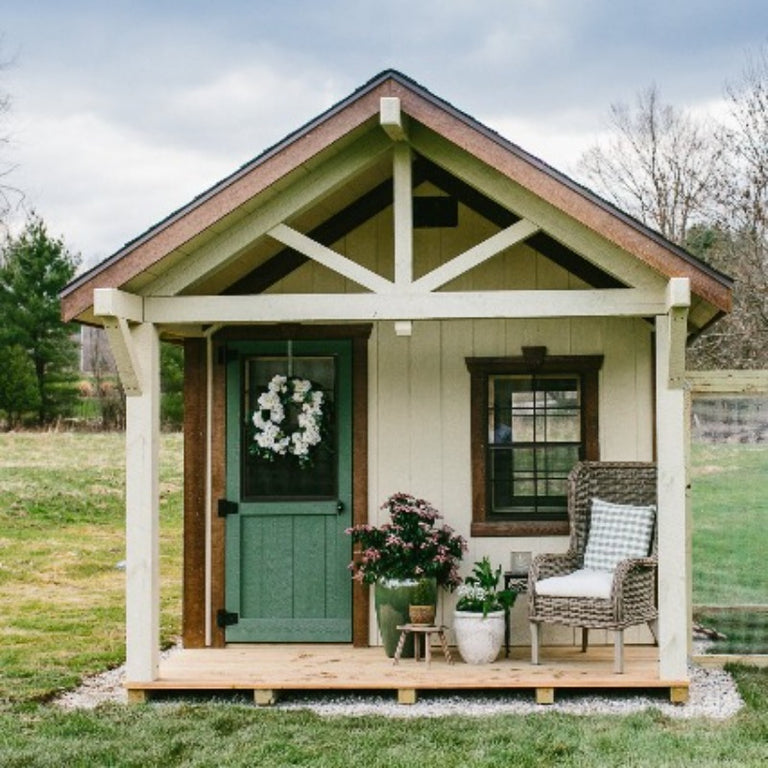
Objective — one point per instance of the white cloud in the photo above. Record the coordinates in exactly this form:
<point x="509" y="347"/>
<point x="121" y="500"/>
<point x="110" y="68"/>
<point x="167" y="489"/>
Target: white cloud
<point x="100" y="184"/>
<point x="101" y="180"/>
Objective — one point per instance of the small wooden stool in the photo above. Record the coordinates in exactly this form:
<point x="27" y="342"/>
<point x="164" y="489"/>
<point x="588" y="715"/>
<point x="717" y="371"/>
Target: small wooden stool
<point x="424" y="631"/>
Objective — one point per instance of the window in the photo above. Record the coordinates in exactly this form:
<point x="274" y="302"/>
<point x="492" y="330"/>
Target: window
<point x="277" y="478"/>
<point x="533" y="417"/>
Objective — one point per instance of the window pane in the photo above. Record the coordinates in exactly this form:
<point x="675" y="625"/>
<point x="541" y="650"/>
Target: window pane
<point x="282" y="477"/>
<point x="534" y="441"/>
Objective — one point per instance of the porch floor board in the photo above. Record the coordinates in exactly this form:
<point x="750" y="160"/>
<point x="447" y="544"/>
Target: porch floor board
<point x="273" y="668"/>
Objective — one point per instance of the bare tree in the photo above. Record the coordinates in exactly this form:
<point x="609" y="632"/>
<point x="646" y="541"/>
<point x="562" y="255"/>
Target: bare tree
<point x="741" y="250"/>
<point x="660" y="165"/>
<point x="747" y="138"/>
<point x="7" y="192"/>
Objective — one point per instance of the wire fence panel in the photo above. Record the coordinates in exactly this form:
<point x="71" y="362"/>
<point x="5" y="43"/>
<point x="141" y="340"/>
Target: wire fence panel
<point x="729" y="498"/>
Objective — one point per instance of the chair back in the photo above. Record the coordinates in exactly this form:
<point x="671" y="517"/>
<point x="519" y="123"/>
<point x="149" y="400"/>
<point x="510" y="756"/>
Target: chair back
<point x="628" y="482"/>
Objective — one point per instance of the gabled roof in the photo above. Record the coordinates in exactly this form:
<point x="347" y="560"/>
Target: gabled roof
<point x="211" y="211"/>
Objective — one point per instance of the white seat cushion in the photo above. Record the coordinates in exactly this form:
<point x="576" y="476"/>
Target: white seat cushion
<point x="583" y="583"/>
<point x="617" y="532"/>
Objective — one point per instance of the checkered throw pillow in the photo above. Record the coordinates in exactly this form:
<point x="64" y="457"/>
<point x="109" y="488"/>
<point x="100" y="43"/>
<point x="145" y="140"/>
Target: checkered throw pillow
<point x="616" y="532"/>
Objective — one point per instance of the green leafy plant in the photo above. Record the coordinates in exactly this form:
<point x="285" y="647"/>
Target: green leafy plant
<point x="480" y="592"/>
<point x="424" y="593"/>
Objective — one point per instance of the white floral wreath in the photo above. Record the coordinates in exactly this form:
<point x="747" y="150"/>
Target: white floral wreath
<point x="270" y="438"/>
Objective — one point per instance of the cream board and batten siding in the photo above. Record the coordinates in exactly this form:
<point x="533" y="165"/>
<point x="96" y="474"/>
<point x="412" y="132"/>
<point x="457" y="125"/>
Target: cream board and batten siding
<point x="419" y="386"/>
<point x="420" y="412"/>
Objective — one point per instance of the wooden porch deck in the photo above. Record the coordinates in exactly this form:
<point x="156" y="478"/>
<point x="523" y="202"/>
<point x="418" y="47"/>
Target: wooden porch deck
<point x="269" y="669"/>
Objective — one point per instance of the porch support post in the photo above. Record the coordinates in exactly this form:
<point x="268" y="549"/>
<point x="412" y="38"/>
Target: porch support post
<point x="672" y="457"/>
<point x="142" y="438"/>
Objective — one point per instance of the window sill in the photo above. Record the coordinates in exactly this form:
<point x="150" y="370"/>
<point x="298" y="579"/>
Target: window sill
<point x="520" y="528"/>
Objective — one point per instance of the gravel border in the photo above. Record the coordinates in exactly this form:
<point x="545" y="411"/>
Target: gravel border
<point x="713" y="694"/>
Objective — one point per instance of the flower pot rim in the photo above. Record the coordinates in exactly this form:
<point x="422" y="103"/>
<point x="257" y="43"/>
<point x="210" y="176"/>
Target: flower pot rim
<point x="478" y="614"/>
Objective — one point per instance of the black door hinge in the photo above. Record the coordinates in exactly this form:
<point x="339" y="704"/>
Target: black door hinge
<point x="226" y="618"/>
<point x="226" y="507"/>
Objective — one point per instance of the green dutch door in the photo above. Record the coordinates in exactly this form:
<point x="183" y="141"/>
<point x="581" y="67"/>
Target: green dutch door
<point x="286" y="550"/>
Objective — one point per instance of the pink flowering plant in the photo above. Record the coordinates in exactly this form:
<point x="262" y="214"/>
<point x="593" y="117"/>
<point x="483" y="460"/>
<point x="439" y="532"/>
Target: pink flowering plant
<point x="410" y="546"/>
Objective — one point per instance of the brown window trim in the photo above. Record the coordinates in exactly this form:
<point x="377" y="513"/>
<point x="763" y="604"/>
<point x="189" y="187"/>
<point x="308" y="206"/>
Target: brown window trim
<point x="533" y="360"/>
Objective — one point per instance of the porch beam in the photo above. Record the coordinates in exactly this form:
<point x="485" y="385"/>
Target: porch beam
<point x="625" y="302"/>
<point x="678" y="302"/>
<point x="476" y="255"/>
<point x="673" y="502"/>
<point x="741" y="382"/>
<point x="114" y="302"/>
<point x="331" y="259"/>
<point x="392" y="119"/>
<point x="677" y="320"/>
<point x="679" y="293"/>
<point x="223" y="249"/>
<point x="403" y="214"/>
<point x="142" y="549"/>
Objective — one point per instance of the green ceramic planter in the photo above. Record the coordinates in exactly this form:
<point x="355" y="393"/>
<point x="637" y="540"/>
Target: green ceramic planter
<point x="392" y="598"/>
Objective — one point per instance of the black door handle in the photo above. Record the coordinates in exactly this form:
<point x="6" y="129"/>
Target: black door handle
<point x="340" y="507"/>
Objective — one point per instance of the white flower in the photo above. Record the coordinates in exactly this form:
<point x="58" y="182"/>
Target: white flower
<point x="269" y="417"/>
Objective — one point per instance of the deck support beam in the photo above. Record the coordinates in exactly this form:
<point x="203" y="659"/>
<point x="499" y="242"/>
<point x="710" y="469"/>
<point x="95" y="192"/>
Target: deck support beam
<point x="545" y="695"/>
<point x="265" y="697"/>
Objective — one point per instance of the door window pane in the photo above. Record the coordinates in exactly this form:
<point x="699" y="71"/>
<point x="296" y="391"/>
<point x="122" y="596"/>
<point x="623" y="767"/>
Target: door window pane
<point x="284" y="477"/>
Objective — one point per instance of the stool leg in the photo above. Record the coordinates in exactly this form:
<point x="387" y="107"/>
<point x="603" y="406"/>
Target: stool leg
<point x="400" y="644"/>
<point x="444" y="644"/>
<point x="535" y="636"/>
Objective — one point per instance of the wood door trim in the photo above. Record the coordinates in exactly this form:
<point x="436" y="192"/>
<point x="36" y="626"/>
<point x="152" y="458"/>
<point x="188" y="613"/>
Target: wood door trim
<point x="193" y="634"/>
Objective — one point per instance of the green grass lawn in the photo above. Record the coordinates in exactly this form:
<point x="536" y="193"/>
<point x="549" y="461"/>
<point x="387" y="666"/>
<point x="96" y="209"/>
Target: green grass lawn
<point x="61" y="541"/>
<point x="61" y="618"/>
<point x="729" y="497"/>
<point x="227" y="734"/>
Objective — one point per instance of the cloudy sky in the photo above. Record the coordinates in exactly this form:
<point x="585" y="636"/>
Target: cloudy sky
<point x="123" y="111"/>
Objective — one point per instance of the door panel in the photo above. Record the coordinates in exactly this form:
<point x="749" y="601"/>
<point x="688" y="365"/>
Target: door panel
<point x="286" y="550"/>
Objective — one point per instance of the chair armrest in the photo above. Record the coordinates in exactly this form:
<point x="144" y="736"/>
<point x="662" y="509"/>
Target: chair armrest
<point x="546" y="565"/>
<point x="631" y="572"/>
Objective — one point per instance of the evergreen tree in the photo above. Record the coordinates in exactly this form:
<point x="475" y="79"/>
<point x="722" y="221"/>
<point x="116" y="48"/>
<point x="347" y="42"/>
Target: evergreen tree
<point x="34" y="268"/>
<point x="18" y="387"/>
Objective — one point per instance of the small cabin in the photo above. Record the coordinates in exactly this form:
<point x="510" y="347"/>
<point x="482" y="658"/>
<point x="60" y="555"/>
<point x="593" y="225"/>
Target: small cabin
<point x="440" y="286"/>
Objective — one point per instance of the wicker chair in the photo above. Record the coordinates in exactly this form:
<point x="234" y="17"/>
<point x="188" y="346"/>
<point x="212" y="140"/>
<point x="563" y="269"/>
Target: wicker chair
<point x="633" y="583"/>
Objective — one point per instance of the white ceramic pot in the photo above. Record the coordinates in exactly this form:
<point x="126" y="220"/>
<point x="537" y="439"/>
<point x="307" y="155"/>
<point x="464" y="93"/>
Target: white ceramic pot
<point x="479" y="638"/>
